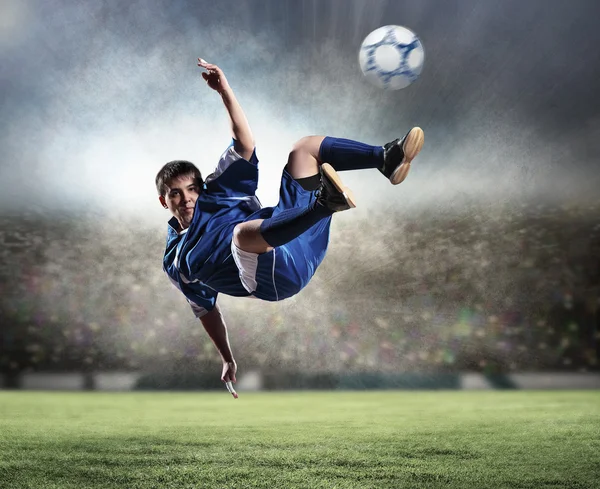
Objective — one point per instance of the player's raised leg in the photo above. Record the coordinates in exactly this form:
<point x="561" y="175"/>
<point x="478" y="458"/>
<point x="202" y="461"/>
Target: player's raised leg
<point x="392" y="160"/>
<point x="312" y="155"/>
<point x="310" y="152"/>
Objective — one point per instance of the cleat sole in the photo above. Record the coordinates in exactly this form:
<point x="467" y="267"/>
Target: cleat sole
<point x="413" y="143"/>
<point x="334" y="178"/>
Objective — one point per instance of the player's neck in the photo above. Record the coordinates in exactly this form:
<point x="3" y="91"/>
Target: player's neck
<point x="182" y="227"/>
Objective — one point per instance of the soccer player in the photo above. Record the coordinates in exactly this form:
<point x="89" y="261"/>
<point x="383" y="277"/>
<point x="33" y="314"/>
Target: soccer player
<point x="221" y="240"/>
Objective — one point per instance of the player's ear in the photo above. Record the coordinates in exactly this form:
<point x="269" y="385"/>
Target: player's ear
<point x="163" y="202"/>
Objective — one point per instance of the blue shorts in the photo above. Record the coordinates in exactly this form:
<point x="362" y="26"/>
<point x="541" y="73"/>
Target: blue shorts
<point x="287" y="269"/>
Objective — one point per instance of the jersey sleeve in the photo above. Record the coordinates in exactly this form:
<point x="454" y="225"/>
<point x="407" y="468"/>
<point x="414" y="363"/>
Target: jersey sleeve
<point x="234" y="176"/>
<point x="202" y="299"/>
<point x="199" y="310"/>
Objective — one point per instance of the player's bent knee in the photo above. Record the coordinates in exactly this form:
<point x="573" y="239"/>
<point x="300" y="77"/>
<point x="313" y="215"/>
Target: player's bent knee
<point x="303" y="160"/>
<point x="301" y="144"/>
<point x="238" y="235"/>
<point x="247" y="237"/>
<point x="308" y="144"/>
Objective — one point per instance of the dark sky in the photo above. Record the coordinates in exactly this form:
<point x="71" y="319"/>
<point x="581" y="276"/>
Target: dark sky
<point x="96" y="94"/>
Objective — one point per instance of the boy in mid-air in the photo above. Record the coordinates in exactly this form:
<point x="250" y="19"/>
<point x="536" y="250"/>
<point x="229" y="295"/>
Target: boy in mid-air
<point x="220" y="239"/>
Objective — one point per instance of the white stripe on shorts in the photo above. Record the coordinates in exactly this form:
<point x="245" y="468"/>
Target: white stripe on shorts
<point x="273" y="277"/>
<point x="247" y="263"/>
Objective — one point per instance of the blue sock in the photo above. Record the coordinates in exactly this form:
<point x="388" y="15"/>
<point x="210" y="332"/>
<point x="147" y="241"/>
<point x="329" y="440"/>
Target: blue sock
<point x="345" y="154"/>
<point x="291" y="223"/>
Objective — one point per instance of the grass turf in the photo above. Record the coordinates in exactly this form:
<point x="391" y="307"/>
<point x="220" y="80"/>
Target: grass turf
<point x="310" y="440"/>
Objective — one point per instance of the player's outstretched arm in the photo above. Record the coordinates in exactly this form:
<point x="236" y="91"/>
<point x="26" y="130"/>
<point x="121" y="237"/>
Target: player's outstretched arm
<point x="240" y="129"/>
<point x="217" y="330"/>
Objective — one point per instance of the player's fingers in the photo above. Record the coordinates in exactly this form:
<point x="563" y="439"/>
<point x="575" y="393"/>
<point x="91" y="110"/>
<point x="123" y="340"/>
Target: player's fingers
<point x="230" y="375"/>
<point x="211" y="67"/>
<point x="231" y="390"/>
<point x="225" y="373"/>
<point x="207" y="74"/>
<point x="203" y="63"/>
<point x="208" y="66"/>
<point x="232" y="371"/>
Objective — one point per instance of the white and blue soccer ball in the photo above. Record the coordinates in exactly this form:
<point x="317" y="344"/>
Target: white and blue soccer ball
<point x="391" y="57"/>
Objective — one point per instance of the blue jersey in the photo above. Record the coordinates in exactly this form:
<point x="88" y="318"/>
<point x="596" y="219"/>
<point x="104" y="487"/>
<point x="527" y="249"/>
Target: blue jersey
<point x="199" y="260"/>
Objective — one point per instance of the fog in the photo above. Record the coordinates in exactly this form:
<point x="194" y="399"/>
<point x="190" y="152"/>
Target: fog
<point x="98" y="95"/>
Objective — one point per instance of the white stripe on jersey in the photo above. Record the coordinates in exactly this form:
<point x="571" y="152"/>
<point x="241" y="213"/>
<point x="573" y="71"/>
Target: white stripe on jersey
<point x="229" y="157"/>
<point x="273" y="277"/>
<point x="186" y="281"/>
<point x="177" y="248"/>
<point x="198" y="311"/>
<point x="252" y="201"/>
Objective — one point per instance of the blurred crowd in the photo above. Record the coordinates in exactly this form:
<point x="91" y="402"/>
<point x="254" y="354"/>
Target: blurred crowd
<point x="495" y="289"/>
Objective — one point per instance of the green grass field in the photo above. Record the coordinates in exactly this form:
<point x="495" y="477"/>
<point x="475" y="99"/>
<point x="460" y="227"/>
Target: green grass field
<point x="520" y="439"/>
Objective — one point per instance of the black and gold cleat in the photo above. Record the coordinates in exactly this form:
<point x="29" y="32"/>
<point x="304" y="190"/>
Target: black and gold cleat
<point x="398" y="154"/>
<point x="332" y="193"/>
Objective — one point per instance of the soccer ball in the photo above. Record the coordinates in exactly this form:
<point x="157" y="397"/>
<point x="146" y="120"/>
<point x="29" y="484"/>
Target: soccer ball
<point x="391" y="57"/>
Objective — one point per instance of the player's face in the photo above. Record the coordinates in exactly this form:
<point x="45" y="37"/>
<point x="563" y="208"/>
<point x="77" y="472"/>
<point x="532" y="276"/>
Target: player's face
<point x="180" y="199"/>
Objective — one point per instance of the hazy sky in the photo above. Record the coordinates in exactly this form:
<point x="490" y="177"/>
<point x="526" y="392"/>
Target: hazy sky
<point x="96" y="96"/>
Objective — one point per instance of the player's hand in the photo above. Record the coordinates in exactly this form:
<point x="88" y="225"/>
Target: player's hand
<point x="228" y="376"/>
<point x="229" y="370"/>
<point x="214" y="76"/>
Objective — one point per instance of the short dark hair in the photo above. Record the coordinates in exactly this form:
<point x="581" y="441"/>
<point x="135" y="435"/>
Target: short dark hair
<point x="175" y="169"/>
